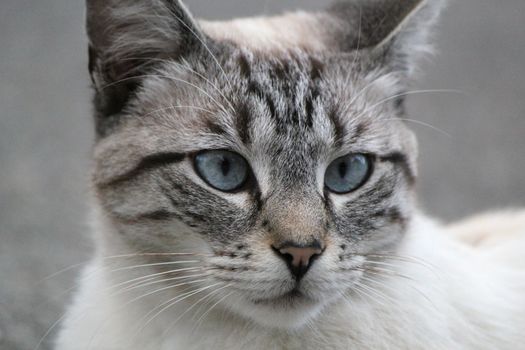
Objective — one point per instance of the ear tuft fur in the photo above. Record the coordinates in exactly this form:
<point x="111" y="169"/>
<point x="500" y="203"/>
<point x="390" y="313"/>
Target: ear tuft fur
<point x="395" y="31"/>
<point x="126" y="37"/>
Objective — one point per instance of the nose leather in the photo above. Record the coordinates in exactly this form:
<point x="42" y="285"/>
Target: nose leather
<point x="299" y="258"/>
<point x="300" y="255"/>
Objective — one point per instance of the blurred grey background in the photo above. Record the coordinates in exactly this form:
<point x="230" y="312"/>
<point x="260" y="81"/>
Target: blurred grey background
<point x="46" y="136"/>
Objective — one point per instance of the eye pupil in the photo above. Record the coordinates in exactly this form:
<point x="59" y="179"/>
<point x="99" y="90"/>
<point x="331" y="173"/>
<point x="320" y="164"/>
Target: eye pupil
<point x="225" y="166"/>
<point x="342" y="169"/>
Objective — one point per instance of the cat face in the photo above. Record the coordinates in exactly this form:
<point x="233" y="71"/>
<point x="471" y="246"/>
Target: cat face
<point x="284" y="169"/>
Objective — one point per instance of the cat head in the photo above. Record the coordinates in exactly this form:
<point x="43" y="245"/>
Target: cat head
<point x="273" y="148"/>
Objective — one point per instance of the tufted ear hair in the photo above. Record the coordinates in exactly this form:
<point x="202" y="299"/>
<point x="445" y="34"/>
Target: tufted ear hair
<point x="127" y="37"/>
<point x="393" y="32"/>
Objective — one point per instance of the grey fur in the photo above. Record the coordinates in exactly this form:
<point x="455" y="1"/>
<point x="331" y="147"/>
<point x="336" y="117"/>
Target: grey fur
<point x="289" y="113"/>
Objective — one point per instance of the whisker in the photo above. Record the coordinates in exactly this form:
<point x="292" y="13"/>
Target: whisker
<point x="185" y="292"/>
<point x="153" y="254"/>
<point x="422" y="123"/>
<point x="404" y="258"/>
<point x="384" y="285"/>
<point x="186" y="67"/>
<point x="145" y="278"/>
<point x="149" y="282"/>
<point x="165" y="288"/>
<point x="193" y="317"/>
<point x="173" y="302"/>
<point x="201" y="319"/>
<point x="406" y="93"/>
<point x="154" y="275"/>
<point x="364" y="89"/>
<point x="214" y="86"/>
<point x="317" y="337"/>
<point x="377" y="294"/>
<point x="359" y="35"/>
<point x="414" y="92"/>
<point x="192" y="306"/>
<point x="50" y="329"/>
<point x="139" y="298"/>
<point x="176" y="107"/>
<point x="375" y="262"/>
<point x="362" y="292"/>
<point x="65" y="269"/>
<point x="390" y="272"/>
<point x="205" y="46"/>
<point x="111" y="257"/>
<point x="378" y="271"/>
<point x="168" y="78"/>
<point x="154" y="264"/>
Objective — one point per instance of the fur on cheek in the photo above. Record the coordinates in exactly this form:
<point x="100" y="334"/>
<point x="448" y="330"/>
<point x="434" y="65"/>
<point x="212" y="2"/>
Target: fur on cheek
<point x="281" y="261"/>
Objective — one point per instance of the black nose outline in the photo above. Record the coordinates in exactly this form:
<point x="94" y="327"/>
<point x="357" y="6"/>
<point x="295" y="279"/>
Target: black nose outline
<point x="299" y="257"/>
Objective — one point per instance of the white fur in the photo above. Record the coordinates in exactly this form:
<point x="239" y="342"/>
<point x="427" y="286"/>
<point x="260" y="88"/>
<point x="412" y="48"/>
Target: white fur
<point x="461" y="297"/>
<point x="266" y="34"/>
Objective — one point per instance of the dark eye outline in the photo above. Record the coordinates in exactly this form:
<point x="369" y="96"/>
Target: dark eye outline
<point x="370" y="159"/>
<point x="241" y="187"/>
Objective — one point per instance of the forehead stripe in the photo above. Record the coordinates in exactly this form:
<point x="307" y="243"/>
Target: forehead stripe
<point x="149" y="162"/>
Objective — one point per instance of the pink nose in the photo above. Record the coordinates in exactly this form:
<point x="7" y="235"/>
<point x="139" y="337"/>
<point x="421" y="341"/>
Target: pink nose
<point x="299" y="258"/>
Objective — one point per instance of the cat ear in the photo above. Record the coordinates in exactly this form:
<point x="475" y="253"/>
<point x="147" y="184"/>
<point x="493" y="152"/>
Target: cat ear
<point x="395" y="32"/>
<point x="126" y="37"/>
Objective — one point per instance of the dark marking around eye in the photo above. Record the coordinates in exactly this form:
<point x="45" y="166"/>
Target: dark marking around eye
<point x="157" y="215"/>
<point x="196" y="216"/>
<point x="147" y="163"/>
<point x="176" y="186"/>
<point x="395" y="215"/>
<point x="401" y="160"/>
<point x="189" y="218"/>
<point x="374" y="196"/>
<point x="256" y="196"/>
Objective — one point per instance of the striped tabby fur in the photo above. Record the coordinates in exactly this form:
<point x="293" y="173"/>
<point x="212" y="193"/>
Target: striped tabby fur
<point x="181" y="265"/>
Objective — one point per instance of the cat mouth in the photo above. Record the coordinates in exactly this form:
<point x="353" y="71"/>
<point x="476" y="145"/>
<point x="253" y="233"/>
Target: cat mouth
<point x="292" y="298"/>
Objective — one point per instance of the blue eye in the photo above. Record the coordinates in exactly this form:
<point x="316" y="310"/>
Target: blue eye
<point x="347" y="173"/>
<point x="224" y="170"/>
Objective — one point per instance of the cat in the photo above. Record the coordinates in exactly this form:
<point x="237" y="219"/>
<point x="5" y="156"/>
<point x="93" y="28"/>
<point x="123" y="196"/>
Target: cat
<point x="254" y="189"/>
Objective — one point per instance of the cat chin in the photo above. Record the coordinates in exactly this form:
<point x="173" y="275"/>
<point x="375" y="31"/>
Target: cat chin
<point x="287" y="312"/>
